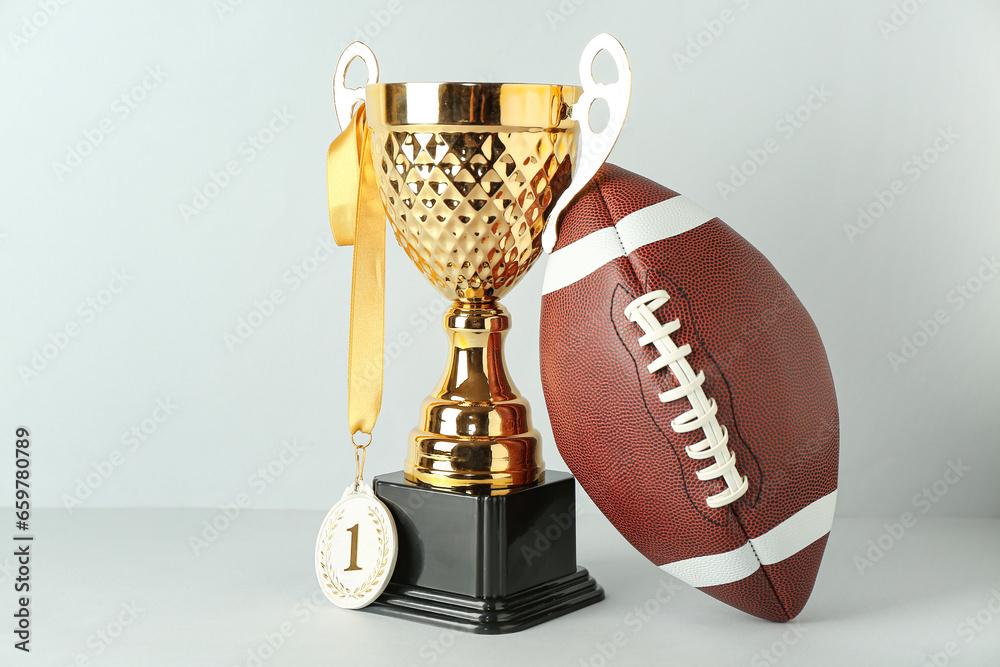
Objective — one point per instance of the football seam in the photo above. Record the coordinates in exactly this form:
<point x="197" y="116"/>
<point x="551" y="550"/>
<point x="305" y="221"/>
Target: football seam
<point x="767" y="577"/>
<point x="607" y="211"/>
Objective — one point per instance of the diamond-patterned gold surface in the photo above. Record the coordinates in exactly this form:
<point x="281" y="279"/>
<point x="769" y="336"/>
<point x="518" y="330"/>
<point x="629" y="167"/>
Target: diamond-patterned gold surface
<point x="469" y="207"/>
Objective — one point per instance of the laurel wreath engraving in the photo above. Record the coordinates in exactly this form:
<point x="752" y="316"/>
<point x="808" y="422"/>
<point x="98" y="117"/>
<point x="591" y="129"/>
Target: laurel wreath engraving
<point x="333" y="583"/>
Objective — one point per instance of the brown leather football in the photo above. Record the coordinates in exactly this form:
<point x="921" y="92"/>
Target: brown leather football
<point x="690" y="394"/>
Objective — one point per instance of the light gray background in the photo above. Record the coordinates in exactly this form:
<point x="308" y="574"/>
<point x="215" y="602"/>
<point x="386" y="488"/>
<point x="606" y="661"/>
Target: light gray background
<point x="226" y="73"/>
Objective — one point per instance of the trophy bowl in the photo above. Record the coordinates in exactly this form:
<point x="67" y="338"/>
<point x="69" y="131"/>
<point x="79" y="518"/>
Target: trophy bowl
<point x="471" y="175"/>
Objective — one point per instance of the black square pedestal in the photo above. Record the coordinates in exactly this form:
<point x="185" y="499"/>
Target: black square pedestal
<point x="485" y="564"/>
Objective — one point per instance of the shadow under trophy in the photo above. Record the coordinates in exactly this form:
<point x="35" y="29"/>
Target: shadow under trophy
<point x="470" y="174"/>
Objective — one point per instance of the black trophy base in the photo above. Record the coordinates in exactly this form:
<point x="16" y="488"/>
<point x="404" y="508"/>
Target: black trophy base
<point x="484" y="564"/>
<point x="483" y="616"/>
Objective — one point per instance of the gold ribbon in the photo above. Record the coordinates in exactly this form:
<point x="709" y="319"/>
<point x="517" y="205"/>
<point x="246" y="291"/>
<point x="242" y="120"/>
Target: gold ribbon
<point x="358" y="218"/>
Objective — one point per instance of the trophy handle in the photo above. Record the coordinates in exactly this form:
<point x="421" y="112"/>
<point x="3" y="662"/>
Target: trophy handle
<point x="346" y="99"/>
<point x="594" y="146"/>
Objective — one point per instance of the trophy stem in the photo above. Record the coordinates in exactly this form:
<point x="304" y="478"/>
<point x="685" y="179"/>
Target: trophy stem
<point x="475" y="432"/>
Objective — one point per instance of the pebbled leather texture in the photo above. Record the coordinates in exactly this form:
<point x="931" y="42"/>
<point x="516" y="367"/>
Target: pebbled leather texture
<point x="765" y="366"/>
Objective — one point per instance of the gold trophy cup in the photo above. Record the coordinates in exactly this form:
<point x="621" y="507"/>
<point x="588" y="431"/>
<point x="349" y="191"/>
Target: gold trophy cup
<point x="470" y="174"/>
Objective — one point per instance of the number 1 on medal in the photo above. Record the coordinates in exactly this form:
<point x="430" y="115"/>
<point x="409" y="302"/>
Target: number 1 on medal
<point x="353" y="530"/>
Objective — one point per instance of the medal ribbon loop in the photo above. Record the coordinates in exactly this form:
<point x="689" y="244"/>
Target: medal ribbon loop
<point x="357" y="218"/>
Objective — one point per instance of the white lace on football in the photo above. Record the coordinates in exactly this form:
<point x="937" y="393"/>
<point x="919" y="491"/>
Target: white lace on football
<point x="703" y="409"/>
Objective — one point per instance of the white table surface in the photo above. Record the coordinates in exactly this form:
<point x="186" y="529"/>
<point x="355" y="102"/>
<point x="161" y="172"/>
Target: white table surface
<point x="257" y="579"/>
